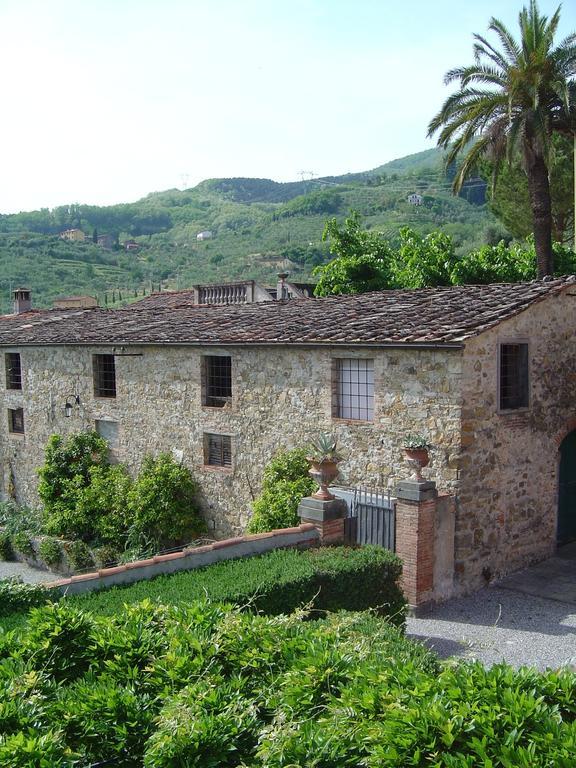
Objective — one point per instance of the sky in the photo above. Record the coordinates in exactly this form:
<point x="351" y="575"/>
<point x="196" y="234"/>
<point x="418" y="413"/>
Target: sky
<point x="105" y="101"/>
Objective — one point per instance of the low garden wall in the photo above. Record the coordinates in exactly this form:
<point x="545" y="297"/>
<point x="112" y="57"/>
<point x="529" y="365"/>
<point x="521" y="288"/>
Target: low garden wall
<point x="303" y="536"/>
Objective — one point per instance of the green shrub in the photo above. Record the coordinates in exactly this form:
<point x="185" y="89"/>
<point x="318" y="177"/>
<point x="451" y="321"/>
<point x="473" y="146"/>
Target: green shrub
<point x="50" y="551"/>
<point x="21" y="543"/>
<point x="161" y="504"/>
<point x="286" y="481"/>
<point x="14" y="518"/>
<point x="103" y="501"/>
<point x="79" y="555"/>
<point x="206" y="686"/>
<point x="16" y="596"/>
<point x="6" y="552"/>
<point x="106" y="556"/>
<point x="63" y="478"/>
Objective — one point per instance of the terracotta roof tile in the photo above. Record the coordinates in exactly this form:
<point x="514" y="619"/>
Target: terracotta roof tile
<point x="427" y="316"/>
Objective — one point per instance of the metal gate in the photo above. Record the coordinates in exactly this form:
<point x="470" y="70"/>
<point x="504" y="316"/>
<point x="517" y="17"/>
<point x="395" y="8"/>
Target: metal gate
<point x="371" y="516"/>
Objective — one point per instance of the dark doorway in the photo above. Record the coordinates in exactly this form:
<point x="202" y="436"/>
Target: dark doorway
<point x="567" y="490"/>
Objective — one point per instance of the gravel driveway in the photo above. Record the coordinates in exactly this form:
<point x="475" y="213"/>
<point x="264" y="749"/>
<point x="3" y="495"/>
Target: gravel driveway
<point x="528" y="618"/>
<point x="29" y="575"/>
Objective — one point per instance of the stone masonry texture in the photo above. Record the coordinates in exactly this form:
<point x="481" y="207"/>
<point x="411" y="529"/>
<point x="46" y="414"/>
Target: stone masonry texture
<point x="281" y="398"/>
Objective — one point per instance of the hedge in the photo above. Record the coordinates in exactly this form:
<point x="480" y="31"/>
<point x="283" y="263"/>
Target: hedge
<point x="331" y="578"/>
<point x="210" y="686"/>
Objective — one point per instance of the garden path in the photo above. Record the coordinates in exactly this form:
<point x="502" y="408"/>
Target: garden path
<point x="528" y="618"/>
<point x="26" y="572"/>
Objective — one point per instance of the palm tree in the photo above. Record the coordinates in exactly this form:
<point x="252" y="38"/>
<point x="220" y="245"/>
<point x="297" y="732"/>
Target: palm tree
<point x="513" y="98"/>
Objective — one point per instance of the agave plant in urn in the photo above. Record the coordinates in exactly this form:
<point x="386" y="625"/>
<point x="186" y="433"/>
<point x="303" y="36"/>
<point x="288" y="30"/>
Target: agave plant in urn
<point x="323" y="458"/>
<point x="416" y="449"/>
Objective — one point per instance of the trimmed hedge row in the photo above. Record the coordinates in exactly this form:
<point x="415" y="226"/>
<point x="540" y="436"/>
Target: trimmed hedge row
<point x="331" y="578"/>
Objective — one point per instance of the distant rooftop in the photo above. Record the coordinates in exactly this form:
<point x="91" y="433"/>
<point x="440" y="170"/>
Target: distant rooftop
<point x="444" y="316"/>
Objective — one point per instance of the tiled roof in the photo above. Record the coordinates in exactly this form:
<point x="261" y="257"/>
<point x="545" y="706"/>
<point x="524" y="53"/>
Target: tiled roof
<point x="427" y="316"/>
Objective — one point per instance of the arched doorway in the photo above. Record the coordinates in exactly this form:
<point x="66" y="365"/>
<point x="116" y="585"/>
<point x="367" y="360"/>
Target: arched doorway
<point x="567" y="490"/>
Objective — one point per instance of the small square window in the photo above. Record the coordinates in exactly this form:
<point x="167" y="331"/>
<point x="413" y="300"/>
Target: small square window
<point x="514" y="389"/>
<point x="218" y="450"/>
<point x="16" y="420"/>
<point x="109" y="431"/>
<point x="104" y="369"/>
<point x="13" y="370"/>
<point x="217" y="379"/>
<point x="353" y="389"/>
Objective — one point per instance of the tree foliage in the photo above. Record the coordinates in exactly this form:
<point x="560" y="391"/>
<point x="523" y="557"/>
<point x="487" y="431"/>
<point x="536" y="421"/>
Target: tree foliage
<point x="509" y="197"/>
<point x="512" y="99"/>
<point x="368" y="261"/>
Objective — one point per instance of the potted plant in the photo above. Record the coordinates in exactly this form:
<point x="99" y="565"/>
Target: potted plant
<point x="324" y="458"/>
<point x="416" y="449"/>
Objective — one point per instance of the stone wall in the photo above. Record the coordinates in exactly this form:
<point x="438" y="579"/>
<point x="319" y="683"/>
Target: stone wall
<point x="281" y="398"/>
<point x="507" y="513"/>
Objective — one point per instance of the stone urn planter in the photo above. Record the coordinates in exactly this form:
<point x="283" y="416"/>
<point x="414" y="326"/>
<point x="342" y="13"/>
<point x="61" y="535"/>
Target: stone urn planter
<point x="323" y="465"/>
<point x="416" y="452"/>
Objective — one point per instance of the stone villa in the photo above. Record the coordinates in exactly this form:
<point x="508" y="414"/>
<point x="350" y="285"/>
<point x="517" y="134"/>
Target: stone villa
<point x="487" y="373"/>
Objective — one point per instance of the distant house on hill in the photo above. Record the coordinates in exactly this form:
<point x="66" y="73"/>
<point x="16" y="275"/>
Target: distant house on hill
<point x="205" y="235"/>
<point x="415" y="199"/>
<point x="131" y="245"/>
<point x="106" y="241"/>
<point x="74" y="235"/>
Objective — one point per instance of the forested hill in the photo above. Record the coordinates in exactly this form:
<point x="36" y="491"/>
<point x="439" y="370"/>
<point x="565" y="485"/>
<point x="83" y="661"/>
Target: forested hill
<point x="257" y="226"/>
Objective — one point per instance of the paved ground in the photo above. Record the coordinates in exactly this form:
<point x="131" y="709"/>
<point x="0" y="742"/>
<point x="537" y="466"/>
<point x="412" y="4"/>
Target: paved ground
<point x="528" y="618"/>
<point x="29" y="575"/>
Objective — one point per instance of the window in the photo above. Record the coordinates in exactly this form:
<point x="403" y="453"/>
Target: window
<point x="354" y="389"/>
<point x="16" y="420"/>
<point x="218" y="450"/>
<point x="513" y="376"/>
<point x="13" y="370"/>
<point x="217" y="380"/>
<point x="104" y="369"/>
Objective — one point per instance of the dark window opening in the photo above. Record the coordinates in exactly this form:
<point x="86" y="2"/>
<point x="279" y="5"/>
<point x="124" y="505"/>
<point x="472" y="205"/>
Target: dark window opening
<point x="16" y="420"/>
<point x="218" y="450"/>
<point x="354" y="389"/>
<point x="104" y="368"/>
<point x="13" y="371"/>
<point x="513" y="376"/>
<point x="218" y="380"/>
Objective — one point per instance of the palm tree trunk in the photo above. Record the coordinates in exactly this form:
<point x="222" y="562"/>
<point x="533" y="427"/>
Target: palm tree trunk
<point x="541" y="204"/>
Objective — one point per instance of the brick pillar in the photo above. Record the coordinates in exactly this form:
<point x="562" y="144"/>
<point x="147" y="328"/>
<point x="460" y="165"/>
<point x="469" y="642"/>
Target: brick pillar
<point x="415" y="523"/>
<point x="326" y="516"/>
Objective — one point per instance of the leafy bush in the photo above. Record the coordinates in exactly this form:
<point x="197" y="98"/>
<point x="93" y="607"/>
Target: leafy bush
<point x="14" y="518"/>
<point x="106" y="556"/>
<point x="50" y="551"/>
<point x="286" y="482"/>
<point x="16" y="596"/>
<point x="161" y="504"/>
<point x="6" y="552"/>
<point x="63" y="480"/>
<point x="21" y="543"/>
<point x="103" y="501"/>
<point x="208" y="686"/>
<point x="79" y="555"/>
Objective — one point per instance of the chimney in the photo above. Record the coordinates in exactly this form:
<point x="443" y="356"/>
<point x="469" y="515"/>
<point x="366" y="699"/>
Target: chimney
<point x="281" y="290"/>
<point x="22" y="300"/>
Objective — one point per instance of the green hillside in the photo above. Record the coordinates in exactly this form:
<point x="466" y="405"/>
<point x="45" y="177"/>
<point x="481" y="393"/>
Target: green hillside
<point x="259" y="227"/>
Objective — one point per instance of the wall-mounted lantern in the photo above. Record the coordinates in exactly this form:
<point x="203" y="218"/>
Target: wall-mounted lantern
<point x="70" y="404"/>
